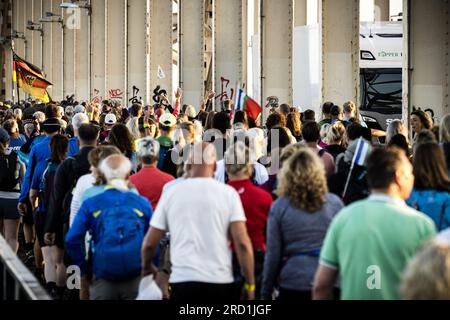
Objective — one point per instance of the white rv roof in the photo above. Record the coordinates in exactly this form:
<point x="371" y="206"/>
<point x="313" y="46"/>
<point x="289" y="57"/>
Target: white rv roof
<point x="384" y="41"/>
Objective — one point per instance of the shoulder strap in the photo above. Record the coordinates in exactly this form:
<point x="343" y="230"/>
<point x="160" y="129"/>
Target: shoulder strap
<point x="442" y="215"/>
<point x="321" y="153"/>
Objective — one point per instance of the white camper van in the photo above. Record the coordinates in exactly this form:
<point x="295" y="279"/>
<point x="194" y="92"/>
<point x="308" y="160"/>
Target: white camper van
<point x="381" y="61"/>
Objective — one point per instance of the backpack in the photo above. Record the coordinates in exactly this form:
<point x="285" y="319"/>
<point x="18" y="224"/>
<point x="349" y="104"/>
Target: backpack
<point x="163" y="153"/>
<point x="67" y="201"/>
<point x="9" y="175"/>
<point x="435" y="205"/>
<point x="357" y="188"/>
<point x="117" y="248"/>
<point x="47" y="184"/>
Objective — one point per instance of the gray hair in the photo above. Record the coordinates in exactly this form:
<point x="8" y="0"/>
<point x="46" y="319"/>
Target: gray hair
<point x="18" y="112"/>
<point x="29" y="127"/>
<point x="39" y="116"/>
<point x="79" y="119"/>
<point x="115" y="167"/>
<point x="61" y="110"/>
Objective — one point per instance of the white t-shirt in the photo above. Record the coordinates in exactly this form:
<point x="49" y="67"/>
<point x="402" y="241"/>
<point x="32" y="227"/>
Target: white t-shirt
<point x="85" y="182"/>
<point x="197" y="213"/>
<point x="261" y="174"/>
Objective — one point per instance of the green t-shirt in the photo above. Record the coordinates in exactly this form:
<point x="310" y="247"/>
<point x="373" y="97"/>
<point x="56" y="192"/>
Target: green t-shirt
<point x="165" y="142"/>
<point x="370" y="242"/>
<point x="324" y="121"/>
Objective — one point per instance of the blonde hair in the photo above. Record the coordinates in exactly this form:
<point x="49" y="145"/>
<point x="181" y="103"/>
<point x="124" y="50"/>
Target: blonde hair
<point x="237" y="160"/>
<point x="394" y="128"/>
<point x="302" y="180"/>
<point x="350" y="107"/>
<point x="427" y="276"/>
<point x="445" y="129"/>
<point x="336" y="134"/>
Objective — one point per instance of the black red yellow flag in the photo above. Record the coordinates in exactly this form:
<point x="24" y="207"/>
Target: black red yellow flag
<point x="30" y="78"/>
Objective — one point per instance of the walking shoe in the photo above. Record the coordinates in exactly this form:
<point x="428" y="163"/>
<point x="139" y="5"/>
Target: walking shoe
<point x="29" y="257"/>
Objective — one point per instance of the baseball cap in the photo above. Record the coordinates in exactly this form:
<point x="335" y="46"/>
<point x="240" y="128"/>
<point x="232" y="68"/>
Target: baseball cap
<point x="4" y="136"/>
<point x="168" y="120"/>
<point x="190" y="112"/>
<point x="148" y="147"/>
<point x="79" y="109"/>
<point x="110" y="118"/>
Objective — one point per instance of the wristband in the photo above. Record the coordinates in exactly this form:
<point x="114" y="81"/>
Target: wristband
<point x="146" y="126"/>
<point x="249" y="287"/>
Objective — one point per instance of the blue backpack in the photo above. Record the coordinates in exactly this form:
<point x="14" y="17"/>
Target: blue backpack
<point x="434" y="204"/>
<point x="117" y="245"/>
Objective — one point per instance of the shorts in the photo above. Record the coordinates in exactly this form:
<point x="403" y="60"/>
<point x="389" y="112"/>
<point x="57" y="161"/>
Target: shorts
<point x="39" y="224"/>
<point x="8" y="209"/>
<point x="28" y="218"/>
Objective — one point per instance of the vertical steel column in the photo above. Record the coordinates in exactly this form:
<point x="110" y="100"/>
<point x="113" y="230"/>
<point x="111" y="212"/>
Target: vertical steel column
<point x="57" y="53"/>
<point x="137" y="46"/>
<point x="161" y="43"/>
<point x="278" y="24"/>
<point x="47" y="44"/>
<point x="20" y="27"/>
<point x="428" y="60"/>
<point x="192" y="50"/>
<point x="116" y="50"/>
<point x="382" y="10"/>
<point x="36" y="35"/>
<point x="82" y="58"/>
<point x="229" y="46"/>
<point x="406" y="62"/>
<point x="28" y="33"/>
<point x="98" y="51"/>
<point x="71" y="21"/>
<point x="300" y="13"/>
<point x="340" y="50"/>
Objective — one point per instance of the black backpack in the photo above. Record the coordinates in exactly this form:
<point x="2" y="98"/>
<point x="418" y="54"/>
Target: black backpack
<point x="357" y="188"/>
<point x="75" y="175"/>
<point x="9" y="175"/>
<point x="48" y="179"/>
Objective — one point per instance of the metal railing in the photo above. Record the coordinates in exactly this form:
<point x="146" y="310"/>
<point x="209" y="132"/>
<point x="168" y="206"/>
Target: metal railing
<point x="16" y="281"/>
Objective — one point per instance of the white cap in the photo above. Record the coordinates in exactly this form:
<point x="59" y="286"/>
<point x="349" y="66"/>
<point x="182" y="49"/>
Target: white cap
<point x="110" y="119"/>
<point x="79" y="109"/>
<point x="168" y="120"/>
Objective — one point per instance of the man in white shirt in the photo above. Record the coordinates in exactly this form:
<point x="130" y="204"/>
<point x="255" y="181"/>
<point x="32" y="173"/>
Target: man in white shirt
<point x="200" y="214"/>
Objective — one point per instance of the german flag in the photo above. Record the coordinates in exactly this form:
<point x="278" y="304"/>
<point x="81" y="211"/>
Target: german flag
<point x="30" y="78"/>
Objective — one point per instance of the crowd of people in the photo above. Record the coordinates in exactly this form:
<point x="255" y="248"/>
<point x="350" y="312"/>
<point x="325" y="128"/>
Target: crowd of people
<point x="218" y="206"/>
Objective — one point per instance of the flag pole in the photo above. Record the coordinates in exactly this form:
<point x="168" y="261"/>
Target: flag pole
<point x="351" y="171"/>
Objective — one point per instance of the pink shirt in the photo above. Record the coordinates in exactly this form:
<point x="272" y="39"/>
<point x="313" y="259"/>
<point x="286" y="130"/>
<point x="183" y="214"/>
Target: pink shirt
<point x="328" y="161"/>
